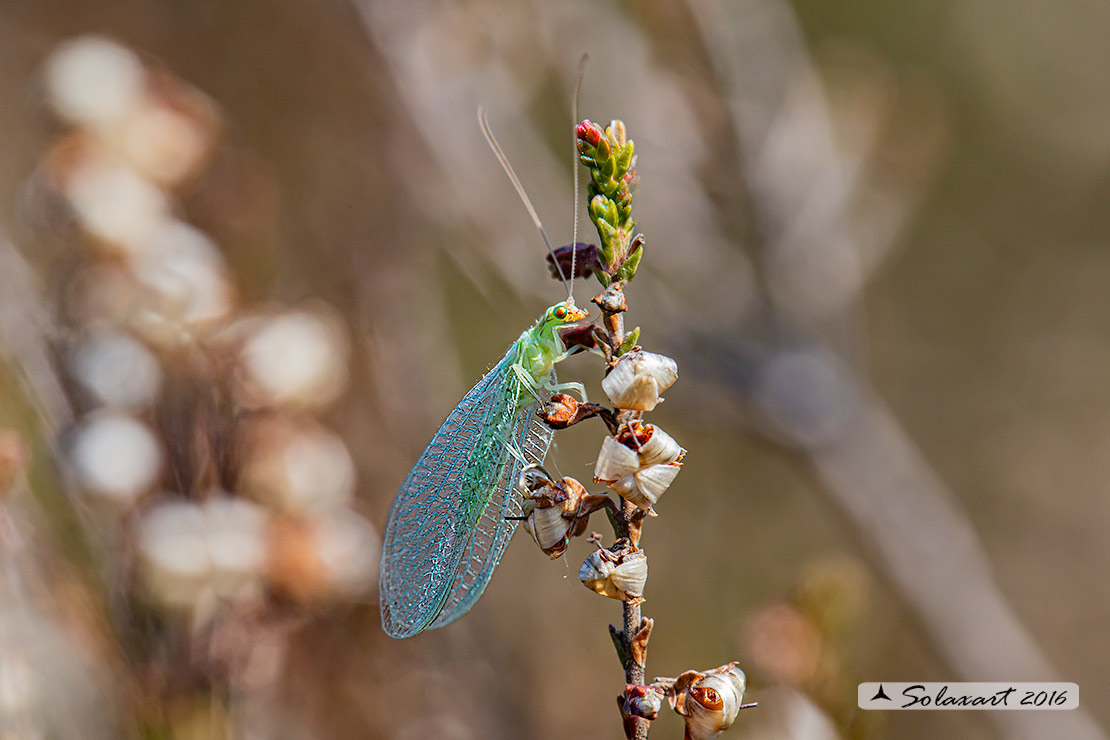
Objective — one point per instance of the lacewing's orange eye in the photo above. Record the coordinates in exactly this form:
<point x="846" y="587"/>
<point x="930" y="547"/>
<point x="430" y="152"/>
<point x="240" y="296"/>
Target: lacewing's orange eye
<point x="560" y="313"/>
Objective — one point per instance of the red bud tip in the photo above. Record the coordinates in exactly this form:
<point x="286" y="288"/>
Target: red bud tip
<point x="589" y="132"/>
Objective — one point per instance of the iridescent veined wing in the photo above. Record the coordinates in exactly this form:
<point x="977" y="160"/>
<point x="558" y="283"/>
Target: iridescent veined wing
<point x="448" y="529"/>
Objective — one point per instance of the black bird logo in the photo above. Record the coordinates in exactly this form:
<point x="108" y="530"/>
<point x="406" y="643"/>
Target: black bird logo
<point x="881" y="694"/>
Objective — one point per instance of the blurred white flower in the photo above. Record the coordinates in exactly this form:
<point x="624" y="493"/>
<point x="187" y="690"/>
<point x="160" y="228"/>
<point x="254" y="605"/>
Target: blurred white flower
<point x="186" y="273"/>
<point x="296" y="465"/>
<point x="323" y="557"/>
<point x="101" y="294"/>
<point x="297" y="359"/>
<point x="18" y="690"/>
<point x="117" y="370"/>
<point x="94" y="82"/>
<point x="349" y="549"/>
<point x="115" y="457"/>
<point x="169" y="140"/>
<point x="112" y="202"/>
<point x="191" y="551"/>
<point x="174" y="553"/>
<point x="236" y="543"/>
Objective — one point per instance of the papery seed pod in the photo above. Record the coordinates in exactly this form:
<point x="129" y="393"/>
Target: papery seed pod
<point x="556" y="511"/>
<point x="619" y="575"/>
<point x="637" y="380"/>
<point x="619" y="466"/>
<point x="641" y="701"/>
<point x="546" y="507"/>
<point x="646" y="485"/>
<point x="653" y="445"/>
<point x="615" y="461"/>
<point x="550" y="529"/>
<point x="708" y="700"/>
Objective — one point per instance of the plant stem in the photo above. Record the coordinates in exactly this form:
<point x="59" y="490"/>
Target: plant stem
<point x="633" y="636"/>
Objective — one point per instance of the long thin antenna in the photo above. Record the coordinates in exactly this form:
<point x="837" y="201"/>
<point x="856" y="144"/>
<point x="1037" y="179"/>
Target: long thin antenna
<point x="519" y="190"/>
<point x="574" y="166"/>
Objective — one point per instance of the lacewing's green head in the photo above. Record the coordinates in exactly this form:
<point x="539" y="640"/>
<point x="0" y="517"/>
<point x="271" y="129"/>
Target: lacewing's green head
<point x="562" y="313"/>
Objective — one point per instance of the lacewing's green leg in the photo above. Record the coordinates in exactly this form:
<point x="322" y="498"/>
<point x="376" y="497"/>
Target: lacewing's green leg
<point x="452" y="518"/>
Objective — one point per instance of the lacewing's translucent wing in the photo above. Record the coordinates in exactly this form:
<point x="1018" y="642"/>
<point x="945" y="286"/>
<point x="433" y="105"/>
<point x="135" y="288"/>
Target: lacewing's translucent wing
<point x="448" y="529"/>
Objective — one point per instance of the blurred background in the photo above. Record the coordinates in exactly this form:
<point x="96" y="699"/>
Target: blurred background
<point x="252" y="253"/>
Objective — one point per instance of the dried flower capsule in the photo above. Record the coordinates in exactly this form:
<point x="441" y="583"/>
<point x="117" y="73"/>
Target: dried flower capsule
<point x="619" y="575"/>
<point x="556" y="511"/>
<point x="708" y="700"/>
<point x="641" y="701"/>
<point x="636" y="381"/>
<point x="626" y="473"/>
<point x="646" y="485"/>
<point x="586" y="259"/>
<point x="615" y="461"/>
<point x="652" y="444"/>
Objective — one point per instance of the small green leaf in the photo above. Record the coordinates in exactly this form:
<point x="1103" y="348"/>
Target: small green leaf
<point x="608" y="236"/>
<point x="609" y="169"/>
<point x="604" y="151"/>
<point x="616" y="132"/>
<point x="597" y="207"/>
<point x="628" y="270"/>
<point x="624" y="157"/>
<point x="611" y="214"/>
<point x="629" y="341"/>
